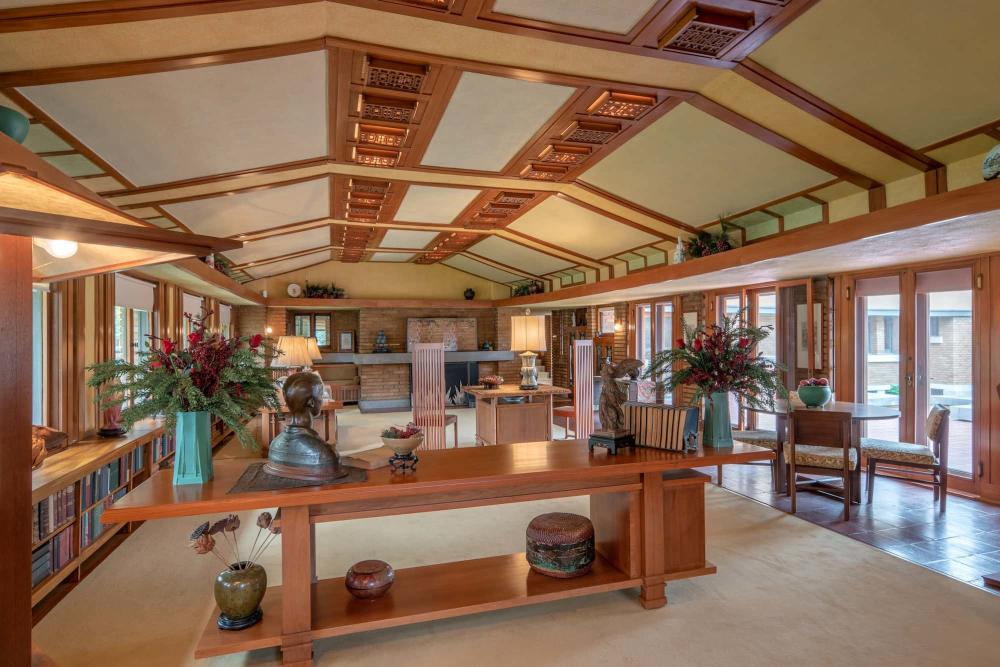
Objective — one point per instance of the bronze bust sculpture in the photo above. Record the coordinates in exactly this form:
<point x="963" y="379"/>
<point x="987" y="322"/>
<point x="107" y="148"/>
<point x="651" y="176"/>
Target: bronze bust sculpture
<point x="298" y="452"/>
<point x="614" y="392"/>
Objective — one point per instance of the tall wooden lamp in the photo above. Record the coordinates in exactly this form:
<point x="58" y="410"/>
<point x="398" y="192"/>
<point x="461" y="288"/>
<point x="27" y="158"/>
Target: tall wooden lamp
<point x="528" y="334"/>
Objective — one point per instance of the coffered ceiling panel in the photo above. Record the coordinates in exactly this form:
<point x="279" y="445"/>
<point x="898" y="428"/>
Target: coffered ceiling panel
<point x="515" y="255"/>
<point x="187" y="123"/>
<point x="581" y="230"/>
<point x="918" y="70"/>
<point x="406" y="238"/>
<point x="489" y="119"/>
<point x="433" y="205"/>
<point x="286" y="265"/>
<point x="254" y="210"/>
<point x="392" y="256"/>
<point x="283" y="244"/>
<point x="693" y="167"/>
<point x="617" y="17"/>
<point x="477" y="268"/>
<point x="41" y="139"/>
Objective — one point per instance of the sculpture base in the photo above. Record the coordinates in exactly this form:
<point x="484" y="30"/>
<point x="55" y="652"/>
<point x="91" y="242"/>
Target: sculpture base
<point x="611" y="440"/>
<point x="306" y="473"/>
<point x="226" y="623"/>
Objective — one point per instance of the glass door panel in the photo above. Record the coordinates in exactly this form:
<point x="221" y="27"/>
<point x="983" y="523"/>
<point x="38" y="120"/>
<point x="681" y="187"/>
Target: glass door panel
<point x="878" y="369"/>
<point x="944" y="361"/>
<point x="665" y="333"/>
<point x="765" y="311"/>
<point x="644" y="334"/>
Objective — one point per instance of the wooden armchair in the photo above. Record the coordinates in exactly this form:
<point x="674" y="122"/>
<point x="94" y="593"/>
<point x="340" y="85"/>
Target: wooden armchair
<point x="931" y="461"/>
<point x="820" y="443"/>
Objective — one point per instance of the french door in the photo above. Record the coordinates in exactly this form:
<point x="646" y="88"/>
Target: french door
<point x="914" y="349"/>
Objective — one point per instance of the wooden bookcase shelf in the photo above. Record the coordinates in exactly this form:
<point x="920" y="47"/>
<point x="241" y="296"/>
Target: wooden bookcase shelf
<point x="71" y="466"/>
<point x="426" y="593"/>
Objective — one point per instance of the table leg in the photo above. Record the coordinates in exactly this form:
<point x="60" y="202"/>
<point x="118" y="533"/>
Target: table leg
<point x="654" y="591"/>
<point x="296" y="586"/>
<point x="856" y="473"/>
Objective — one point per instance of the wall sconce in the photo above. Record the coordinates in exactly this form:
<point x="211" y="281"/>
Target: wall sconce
<point x="618" y="327"/>
<point x="268" y="330"/>
<point x="58" y="248"/>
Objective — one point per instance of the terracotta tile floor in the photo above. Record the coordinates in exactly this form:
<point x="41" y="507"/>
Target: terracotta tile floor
<point x="963" y="543"/>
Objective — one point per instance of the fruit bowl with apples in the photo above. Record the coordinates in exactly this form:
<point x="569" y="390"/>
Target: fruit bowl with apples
<point x="815" y="392"/>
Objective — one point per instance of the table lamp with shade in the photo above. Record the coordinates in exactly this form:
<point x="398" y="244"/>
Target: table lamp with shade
<point x="527" y="334"/>
<point x="295" y="351"/>
<point x="314" y="352"/>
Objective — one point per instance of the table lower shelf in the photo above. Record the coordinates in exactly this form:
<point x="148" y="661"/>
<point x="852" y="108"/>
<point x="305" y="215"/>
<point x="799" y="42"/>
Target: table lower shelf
<point x="419" y="594"/>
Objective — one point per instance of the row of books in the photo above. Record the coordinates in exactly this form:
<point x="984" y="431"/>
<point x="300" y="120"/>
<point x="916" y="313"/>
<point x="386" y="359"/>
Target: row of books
<point x="102" y="481"/>
<point x="163" y="446"/>
<point x="138" y="459"/>
<point x="51" y="513"/>
<point x="52" y="556"/>
<point x="90" y="522"/>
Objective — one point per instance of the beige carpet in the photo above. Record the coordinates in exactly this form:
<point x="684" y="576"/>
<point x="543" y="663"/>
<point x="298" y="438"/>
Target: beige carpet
<point x="787" y="591"/>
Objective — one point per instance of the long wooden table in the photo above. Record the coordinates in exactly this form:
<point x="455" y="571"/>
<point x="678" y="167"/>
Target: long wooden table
<point x="647" y="507"/>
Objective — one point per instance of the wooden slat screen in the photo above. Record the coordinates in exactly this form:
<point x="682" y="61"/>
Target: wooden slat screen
<point x="583" y="387"/>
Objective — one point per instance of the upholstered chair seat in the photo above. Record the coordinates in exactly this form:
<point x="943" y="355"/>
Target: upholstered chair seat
<point x="761" y="438"/>
<point x="818" y="456"/>
<point x="904" y="452"/>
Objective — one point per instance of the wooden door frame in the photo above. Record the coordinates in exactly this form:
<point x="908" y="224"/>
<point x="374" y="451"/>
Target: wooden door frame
<point x="847" y="347"/>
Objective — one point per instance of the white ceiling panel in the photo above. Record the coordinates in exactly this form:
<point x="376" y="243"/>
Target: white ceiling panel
<point x="618" y="17"/>
<point x="581" y="230"/>
<point x="195" y="122"/>
<point x="407" y="238"/>
<point x="74" y="165"/>
<point x="694" y="167"/>
<point x="286" y="265"/>
<point x="520" y="257"/>
<point x="392" y="256"/>
<point x="254" y="210"/>
<point x="253" y="251"/>
<point x="434" y="205"/>
<point x="477" y="268"/>
<point x="489" y="119"/>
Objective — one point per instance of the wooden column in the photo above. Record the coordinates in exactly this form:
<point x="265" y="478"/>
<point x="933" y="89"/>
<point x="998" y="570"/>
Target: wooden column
<point x="583" y="388"/>
<point x="428" y="393"/>
<point x="653" y="592"/>
<point x="15" y="453"/>
<point x="297" y="567"/>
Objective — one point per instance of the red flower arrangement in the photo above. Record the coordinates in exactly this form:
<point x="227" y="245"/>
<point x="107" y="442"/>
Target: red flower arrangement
<point x="223" y="376"/>
<point x="721" y="358"/>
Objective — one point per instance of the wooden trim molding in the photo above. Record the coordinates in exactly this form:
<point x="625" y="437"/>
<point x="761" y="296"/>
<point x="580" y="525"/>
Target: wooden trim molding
<point x="813" y="105"/>
<point x="15" y="455"/>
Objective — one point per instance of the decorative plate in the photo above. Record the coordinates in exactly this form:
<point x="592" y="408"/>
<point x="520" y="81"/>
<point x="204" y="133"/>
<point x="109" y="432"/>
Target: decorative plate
<point x="294" y="290"/>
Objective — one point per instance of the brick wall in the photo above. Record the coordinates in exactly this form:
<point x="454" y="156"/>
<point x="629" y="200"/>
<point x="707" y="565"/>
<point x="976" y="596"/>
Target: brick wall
<point x="393" y="322"/>
<point x="385" y="382"/>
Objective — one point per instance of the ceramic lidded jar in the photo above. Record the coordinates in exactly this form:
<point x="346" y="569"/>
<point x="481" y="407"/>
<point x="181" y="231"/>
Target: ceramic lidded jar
<point x="369" y="579"/>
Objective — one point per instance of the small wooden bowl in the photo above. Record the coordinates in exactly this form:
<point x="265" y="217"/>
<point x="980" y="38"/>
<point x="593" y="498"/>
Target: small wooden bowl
<point x="369" y="579"/>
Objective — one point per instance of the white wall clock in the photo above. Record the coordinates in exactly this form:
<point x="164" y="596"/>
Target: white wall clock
<point x="294" y="290"/>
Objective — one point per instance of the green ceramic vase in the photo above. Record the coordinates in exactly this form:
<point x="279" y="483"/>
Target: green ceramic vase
<point x="193" y="455"/>
<point x="238" y="594"/>
<point x="718" y="429"/>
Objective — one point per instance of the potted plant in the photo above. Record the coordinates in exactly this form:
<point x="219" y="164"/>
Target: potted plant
<point x="213" y="375"/>
<point x="705" y="243"/>
<point x="717" y="361"/>
<point x="241" y="586"/>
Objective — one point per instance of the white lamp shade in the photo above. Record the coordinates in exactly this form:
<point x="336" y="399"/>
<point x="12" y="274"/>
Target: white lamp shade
<point x="314" y="348"/>
<point x="295" y="352"/>
<point x="527" y="332"/>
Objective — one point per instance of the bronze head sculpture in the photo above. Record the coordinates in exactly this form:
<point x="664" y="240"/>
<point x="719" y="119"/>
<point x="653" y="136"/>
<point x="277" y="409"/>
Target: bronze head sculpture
<point x="298" y="452"/>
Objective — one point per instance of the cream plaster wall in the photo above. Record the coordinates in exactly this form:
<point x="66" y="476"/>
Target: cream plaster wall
<point x="367" y="280"/>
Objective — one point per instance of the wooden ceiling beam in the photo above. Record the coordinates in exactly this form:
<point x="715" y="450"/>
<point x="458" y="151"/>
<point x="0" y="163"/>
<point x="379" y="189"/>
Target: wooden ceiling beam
<point x="780" y="142"/>
<point x="843" y="121"/>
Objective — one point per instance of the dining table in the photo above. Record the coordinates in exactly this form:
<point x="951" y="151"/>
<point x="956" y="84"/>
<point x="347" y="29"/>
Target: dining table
<point x="860" y="413"/>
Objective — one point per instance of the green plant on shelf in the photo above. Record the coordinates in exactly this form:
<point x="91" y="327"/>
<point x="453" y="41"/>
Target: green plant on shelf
<point x="322" y="291"/>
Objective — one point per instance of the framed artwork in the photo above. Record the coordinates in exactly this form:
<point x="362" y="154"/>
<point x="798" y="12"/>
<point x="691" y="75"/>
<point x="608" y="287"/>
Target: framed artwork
<point x="802" y="336"/>
<point x="606" y="319"/>
<point x="346" y="341"/>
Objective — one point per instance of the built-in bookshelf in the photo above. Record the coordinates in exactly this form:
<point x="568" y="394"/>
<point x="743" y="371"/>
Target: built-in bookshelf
<point x="73" y="488"/>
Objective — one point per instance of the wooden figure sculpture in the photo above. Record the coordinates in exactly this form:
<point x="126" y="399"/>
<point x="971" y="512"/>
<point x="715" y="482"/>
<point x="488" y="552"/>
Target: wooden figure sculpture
<point x="298" y="452"/>
<point x="614" y="392"/>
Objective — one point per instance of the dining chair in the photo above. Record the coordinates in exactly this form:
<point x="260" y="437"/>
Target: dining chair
<point x="769" y="439"/>
<point x="928" y="460"/>
<point x="820" y="443"/>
